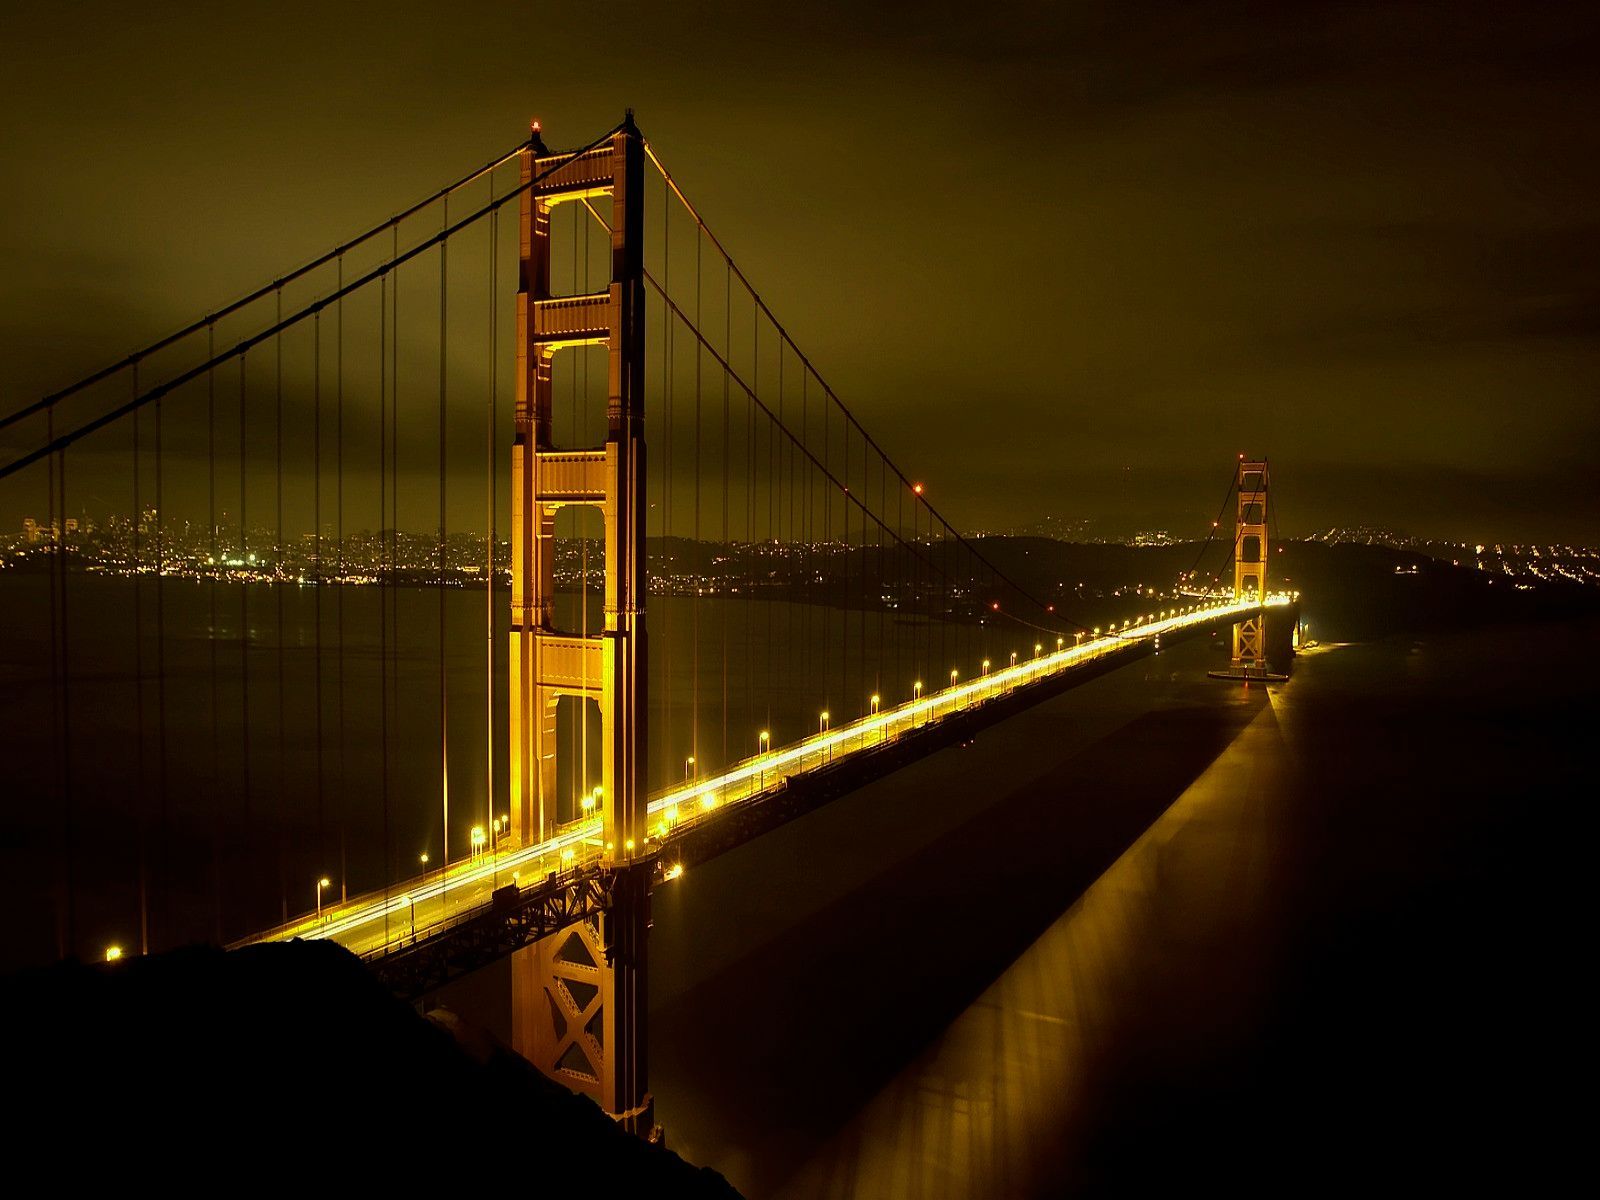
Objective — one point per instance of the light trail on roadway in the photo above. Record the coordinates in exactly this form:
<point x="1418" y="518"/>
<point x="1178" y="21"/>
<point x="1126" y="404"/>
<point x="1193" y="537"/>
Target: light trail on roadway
<point x="379" y="922"/>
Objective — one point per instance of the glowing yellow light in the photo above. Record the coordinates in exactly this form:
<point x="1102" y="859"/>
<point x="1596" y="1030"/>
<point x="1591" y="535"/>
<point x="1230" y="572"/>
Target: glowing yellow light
<point x="323" y="882"/>
<point x="113" y="953"/>
<point x="628" y="845"/>
<point x="673" y="872"/>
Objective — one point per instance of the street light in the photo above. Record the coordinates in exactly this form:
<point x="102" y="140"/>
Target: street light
<point x="321" y="883"/>
<point x="423" y="859"/>
<point x="113" y="953"/>
<point x="688" y="769"/>
<point x="1013" y="658"/>
<point x="478" y="839"/>
<point x="762" y="743"/>
<point x="916" y="691"/>
<point x="822" y="728"/>
<point x="1037" y="647"/>
<point x="985" y="670"/>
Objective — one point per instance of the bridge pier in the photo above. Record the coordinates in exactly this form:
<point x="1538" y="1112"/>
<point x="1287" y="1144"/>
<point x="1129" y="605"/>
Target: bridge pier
<point x="578" y="1004"/>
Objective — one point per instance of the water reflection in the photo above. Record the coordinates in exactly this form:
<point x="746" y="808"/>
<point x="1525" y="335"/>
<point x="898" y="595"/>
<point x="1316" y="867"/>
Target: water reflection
<point x="991" y="1107"/>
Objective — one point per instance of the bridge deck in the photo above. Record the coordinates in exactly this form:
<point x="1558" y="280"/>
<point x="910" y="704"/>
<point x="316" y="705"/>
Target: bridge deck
<point x="424" y="908"/>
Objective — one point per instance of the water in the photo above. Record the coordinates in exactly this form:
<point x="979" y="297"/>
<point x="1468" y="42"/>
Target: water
<point x="1160" y="931"/>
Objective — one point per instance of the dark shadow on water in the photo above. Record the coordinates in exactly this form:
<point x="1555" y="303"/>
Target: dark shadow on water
<point x="779" y="1048"/>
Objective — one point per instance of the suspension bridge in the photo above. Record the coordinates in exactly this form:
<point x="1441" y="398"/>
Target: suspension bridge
<point x="334" y="624"/>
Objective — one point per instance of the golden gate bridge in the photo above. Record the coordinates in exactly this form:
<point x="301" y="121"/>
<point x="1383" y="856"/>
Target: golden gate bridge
<point x="489" y="365"/>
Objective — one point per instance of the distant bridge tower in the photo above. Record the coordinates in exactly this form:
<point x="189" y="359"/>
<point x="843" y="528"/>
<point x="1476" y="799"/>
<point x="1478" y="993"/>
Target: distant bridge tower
<point x="578" y="997"/>
<point x="1250" y="565"/>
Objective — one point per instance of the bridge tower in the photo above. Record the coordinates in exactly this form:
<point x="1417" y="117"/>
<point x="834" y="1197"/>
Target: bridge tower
<point x="578" y="997"/>
<point x="1250" y="565"/>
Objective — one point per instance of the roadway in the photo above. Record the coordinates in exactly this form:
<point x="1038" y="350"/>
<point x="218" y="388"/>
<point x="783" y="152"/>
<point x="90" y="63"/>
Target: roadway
<point x="375" y="923"/>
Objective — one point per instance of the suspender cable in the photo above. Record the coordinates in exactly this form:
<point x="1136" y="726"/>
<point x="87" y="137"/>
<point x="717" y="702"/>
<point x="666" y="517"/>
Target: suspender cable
<point x="828" y="392"/>
<point x="261" y="293"/>
<point x="211" y="639"/>
<point x="163" y="856"/>
<point x="382" y="270"/>
<point x="724" y="603"/>
<point x="699" y="357"/>
<point x="67" y="814"/>
<point x="141" y="792"/>
<point x="438" y="583"/>
<point x="244" y="608"/>
<point x="344" y="778"/>
<point x="669" y="745"/>
<point x="750" y="542"/>
<point x="490" y="451"/>
<point x="277" y="596"/>
<point x="316" y="574"/>
<point x="386" y="559"/>
<point x="56" y="523"/>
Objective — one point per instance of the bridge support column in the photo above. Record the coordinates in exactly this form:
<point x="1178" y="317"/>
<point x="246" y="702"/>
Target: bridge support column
<point x="579" y="996"/>
<point x="1250" y="565"/>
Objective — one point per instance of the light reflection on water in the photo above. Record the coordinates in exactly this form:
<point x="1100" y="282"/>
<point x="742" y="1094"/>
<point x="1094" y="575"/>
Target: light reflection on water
<point x="989" y="1108"/>
<point x="1161" y="933"/>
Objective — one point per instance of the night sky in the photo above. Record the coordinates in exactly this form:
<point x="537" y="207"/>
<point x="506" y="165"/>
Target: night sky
<point x="1063" y="259"/>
